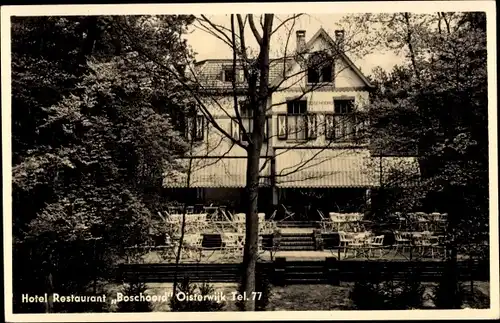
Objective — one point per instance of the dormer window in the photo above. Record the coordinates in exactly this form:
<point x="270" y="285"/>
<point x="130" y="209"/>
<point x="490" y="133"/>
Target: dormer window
<point x="228" y="74"/>
<point x="320" y="69"/>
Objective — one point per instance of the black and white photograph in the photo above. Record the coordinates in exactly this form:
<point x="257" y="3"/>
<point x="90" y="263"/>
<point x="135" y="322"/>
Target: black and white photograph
<point x="291" y="160"/>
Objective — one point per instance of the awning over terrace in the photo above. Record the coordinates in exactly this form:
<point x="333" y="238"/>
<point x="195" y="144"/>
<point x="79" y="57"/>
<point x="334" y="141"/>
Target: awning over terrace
<point x="308" y="168"/>
<point x="331" y="168"/>
<point x="213" y="173"/>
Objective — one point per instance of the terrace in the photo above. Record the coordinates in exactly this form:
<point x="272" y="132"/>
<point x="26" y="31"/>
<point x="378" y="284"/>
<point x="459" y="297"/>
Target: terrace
<point x="213" y="234"/>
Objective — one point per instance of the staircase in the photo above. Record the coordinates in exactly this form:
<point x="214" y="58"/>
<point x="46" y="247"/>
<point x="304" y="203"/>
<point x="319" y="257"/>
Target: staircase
<point x="305" y="272"/>
<point x="297" y="224"/>
<point x="296" y="241"/>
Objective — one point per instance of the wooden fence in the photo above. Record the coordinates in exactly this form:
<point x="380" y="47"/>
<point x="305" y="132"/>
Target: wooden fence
<point x="283" y="272"/>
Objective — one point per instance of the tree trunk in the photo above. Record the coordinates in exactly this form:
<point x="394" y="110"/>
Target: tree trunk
<point x="183" y="224"/>
<point x="49" y="306"/>
<point x="259" y="102"/>
<point x="252" y="228"/>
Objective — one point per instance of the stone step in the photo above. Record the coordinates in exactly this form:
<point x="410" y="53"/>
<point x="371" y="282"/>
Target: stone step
<point x="304" y="274"/>
<point x="297" y="243"/>
<point x="307" y="281"/>
<point x="296" y="248"/>
<point x="296" y="235"/>
<point x="297" y="239"/>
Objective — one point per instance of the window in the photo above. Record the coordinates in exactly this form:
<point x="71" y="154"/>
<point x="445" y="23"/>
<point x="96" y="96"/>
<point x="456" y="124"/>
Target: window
<point x="320" y="69"/>
<point x="195" y="128"/>
<point x="320" y="75"/>
<point x="297" y="124"/>
<point x="237" y="131"/>
<point x="341" y="125"/>
<point x="245" y="109"/>
<point x="228" y="75"/>
<point x="296" y="115"/>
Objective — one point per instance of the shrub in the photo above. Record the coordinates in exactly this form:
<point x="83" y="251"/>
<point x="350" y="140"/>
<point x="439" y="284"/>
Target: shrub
<point x="264" y="287"/>
<point x="370" y="293"/>
<point x="410" y="293"/>
<point x="448" y="294"/>
<point x="134" y="289"/>
<point x="206" y="305"/>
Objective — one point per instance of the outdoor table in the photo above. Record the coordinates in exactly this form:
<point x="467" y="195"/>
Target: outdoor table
<point x="189" y="217"/>
<point x="210" y="209"/>
<point x="174" y="209"/>
<point x="359" y="243"/>
<point x="242" y="217"/>
<point x="194" y="222"/>
<point x="347" y="221"/>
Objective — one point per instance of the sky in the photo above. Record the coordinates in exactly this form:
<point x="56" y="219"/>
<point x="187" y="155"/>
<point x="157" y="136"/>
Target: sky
<point x="209" y="47"/>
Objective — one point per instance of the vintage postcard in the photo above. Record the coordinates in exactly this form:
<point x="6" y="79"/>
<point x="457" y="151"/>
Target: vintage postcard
<point x="326" y="161"/>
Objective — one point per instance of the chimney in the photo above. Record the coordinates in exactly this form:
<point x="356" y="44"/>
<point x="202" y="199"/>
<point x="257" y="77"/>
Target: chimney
<point x="339" y="39"/>
<point x="301" y="41"/>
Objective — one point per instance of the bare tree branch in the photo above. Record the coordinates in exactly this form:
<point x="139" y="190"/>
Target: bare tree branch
<point x="217" y="28"/>
<point x="192" y="91"/>
<point x="294" y="18"/>
<point x="255" y="32"/>
<point x="233" y="82"/>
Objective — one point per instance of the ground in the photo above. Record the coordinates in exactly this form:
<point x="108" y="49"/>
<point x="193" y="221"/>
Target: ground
<point x="308" y="297"/>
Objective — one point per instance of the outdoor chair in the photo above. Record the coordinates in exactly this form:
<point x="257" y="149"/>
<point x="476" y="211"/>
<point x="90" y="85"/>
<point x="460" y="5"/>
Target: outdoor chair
<point x="288" y="214"/>
<point x="273" y="215"/>
<point x="402" y="220"/>
<point x="438" y="246"/>
<point x="226" y="214"/>
<point x="423" y="245"/>
<point x="326" y="223"/>
<point x="192" y="246"/>
<point x="267" y="227"/>
<point x="400" y="243"/>
<point x="232" y="245"/>
<point x="338" y="221"/>
<point x="344" y="242"/>
<point x="359" y="245"/>
<point x="376" y="243"/>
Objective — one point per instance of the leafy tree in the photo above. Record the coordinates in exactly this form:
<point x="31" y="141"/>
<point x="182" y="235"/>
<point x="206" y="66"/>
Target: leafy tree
<point x="135" y="289"/>
<point x="92" y="135"/>
<point x="187" y="288"/>
<point x="435" y="107"/>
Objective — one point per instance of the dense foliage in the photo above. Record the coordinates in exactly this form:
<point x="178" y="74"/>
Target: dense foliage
<point x="373" y="292"/>
<point x="435" y="107"/>
<point x="204" y="290"/>
<point x="91" y="136"/>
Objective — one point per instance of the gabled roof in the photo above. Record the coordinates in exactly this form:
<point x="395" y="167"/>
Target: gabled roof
<point x="209" y="71"/>
<point x="310" y="44"/>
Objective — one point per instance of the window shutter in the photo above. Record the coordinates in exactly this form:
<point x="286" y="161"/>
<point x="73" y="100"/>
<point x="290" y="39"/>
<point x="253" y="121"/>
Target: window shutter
<point x="266" y="130"/>
<point x="248" y="127"/>
<point x="188" y="130"/>
<point x="240" y="77"/>
<point x="235" y="129"/>
<point x="311" y="126"/>
<point x="199" y="127"/>
<point x="339" y="126"/>
<point x="329" y="126"/>
<point x="282" y="126"/>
